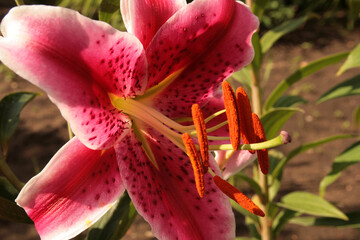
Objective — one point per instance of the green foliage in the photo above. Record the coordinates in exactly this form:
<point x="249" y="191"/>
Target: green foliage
<point x="304" y="202"/>
<point x="352" y="61"/>
<point x="282" y="219"/>
<point x="8" y="209"/>
<point x="347" y="88"/>
<point x="354" y="11"/>
<point x="349" y="157"/>
<point x="7" y="190"/>
<point x="304" y="147"/>
<point x="289" y="101"/>
<point x="271" y="36"/>
<point x="11" y="212"/>
<point x="357" y="116"/>
<point x="10" y="108"/>
<point x="352" y="222"/>
<point x="302" y="73"/>
<point x="107" y="9"/>
<point x="117" y="219"/>
<point x="275" y="119"/>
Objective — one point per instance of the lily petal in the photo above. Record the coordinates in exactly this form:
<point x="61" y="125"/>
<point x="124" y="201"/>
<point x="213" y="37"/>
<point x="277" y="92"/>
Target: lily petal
<point x="167" y="198"/>
<point x="207" y="41"/>
<point x="77" y="61"/>
<point x="144" y="17"/>
<point x="237" y="161"/>
<point x="75" y="189"/>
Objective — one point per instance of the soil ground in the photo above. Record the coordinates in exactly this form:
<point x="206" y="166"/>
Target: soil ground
<point x="42" y="131"/>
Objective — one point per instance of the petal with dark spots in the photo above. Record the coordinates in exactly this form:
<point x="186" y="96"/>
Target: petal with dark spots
<point x="77" y="61"/>
<point x="73" y="191"/>
<point x="167" y="198"/>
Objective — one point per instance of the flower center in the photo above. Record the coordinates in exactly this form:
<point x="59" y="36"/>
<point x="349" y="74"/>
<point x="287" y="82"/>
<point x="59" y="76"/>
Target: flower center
<point x="250" y="130"/>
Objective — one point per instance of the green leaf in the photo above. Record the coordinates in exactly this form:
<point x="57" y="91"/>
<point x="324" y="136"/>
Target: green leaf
<point x="12" y="212"/>
<point x="357" y="116"/>
<point x="252" y="183"/>
<point x="244" y="212"/>
<point x="353" y="222"/>
<point x="7" y="190"/>
<point x="274" y="120"/>
<point x="270" y="37"/>
<point x="352" y="61"/>
<point x="241" y="78"/>
<point x="302" y="73"/>
<point x="304" y="147"/>
<point x="107" y="9"/>
<point x="125" y="223"/>
<point x="353" y="13"/>
<point x="289" y="101"/>
<point x="347" y="158"/>
<point x="304" y="202"/>
<point x="259" y="7"/>
<point x="347" y="88"/>
<point x="10" y="108"/>
<point x="108" y="224"/>
<point x="281" y="220"/>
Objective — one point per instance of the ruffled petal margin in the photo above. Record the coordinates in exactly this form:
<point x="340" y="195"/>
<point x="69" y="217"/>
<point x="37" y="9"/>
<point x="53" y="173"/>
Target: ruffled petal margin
<point x="207" y="41"/>
<point x="144" y="17"/>
<point x="77" y="61"/>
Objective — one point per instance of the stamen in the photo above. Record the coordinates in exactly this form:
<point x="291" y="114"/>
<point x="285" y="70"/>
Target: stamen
<point x="246" y="123"/>
<point x="238" y="196"/>
<point x="263" y="156"/>
<point x="195" y="162"/>
<point x="199" y="123"/>
<point x="231" y="114"/>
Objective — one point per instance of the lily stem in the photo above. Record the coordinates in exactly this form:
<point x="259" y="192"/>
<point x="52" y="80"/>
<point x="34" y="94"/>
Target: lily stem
<point x="19" y="2"/>
<point x="8" y="173"/>
<point x="256" y="98"/>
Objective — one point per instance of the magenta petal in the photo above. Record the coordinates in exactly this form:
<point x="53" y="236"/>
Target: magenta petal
<point x="75" y="189"/>
<point x="168" y="198"/>
<point x="144" y="17"/>
<point x="77" y="61"/>
<point x="211" y="39"/>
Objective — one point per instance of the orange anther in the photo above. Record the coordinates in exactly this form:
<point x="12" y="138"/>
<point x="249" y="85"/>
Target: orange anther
<point x="231" y="114"/>
<point x="237" y="196"/>
<point x="199" y="123"/>
<point x="246" y="122"/>
<point x="195" y="162"/>
<point x="263" y="156"/>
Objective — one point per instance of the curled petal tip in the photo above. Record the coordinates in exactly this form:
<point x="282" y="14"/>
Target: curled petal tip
<point x="286" y="137"/>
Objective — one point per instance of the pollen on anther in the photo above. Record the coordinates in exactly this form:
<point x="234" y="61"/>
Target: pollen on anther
<point x="199" y="123"/>
<point x="263" y="155"/>
<point x="237" y="196"/>
<point x="245" y="115"/>
<point x="231" y="114"/>
<point x="195" y="162"/>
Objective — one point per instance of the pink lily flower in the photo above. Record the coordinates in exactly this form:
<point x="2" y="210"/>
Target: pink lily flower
<point x="121" y="93"/>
